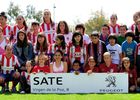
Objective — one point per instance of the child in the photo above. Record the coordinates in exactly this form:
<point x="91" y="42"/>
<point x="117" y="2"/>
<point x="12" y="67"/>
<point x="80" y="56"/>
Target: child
<point x="59" y="44"/>
<point x="58" y="66"/>
<point x="96" y="48"/>
<point x="77" y="50"/>
<point x="108" y="66"/>
<point x="25" y="78"/>
<point x="41" y="44"/>
<point x="114" y="49"/>
<point x="91" y="66"/>
<point x="121" y="37"/>
<point x="76" y="67"/>
<point x="41" y="64"/>
<point x="81" y="29"/>
<point x="104" y="33"/>
<point x="32" y="36"/>
<point x="132" y="75"/>
<point x="129" y="47"/>
<point x="9" y="64"/>
<point x="7" y="30"/>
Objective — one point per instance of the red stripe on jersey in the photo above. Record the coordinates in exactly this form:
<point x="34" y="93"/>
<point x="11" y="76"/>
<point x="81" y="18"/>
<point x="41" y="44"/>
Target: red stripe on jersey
<point x="4" y="31"/>
<point x="49" y="38"/>
<point x="8" y="62"/>
<point x="23" y="73"/>
<point x="78" y="51"/>
<point x="28" y="77"/>
<point x="15" y="29"/>
<point x="34" y="38"/>
<point x="2" y="59"/>
<point x="43" y="26"/>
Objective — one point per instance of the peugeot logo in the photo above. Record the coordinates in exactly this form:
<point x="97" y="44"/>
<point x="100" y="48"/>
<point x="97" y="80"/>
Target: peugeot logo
<point x="112" y="81"/>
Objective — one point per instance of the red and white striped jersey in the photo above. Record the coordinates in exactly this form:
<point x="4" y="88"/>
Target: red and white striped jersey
<point x="32" y="36"/>
<point x="8" y="64"/>
<point x="49" y="32"/>
<point x="114" y="29"/>
<point x="16" y="29"/>
<point x="7" y="31"/>
<point x="27" y="76"/>
<point x="3" y="43"/>
<point x="68" y="37"/>
<point x="77" y="53"/>
<point x="53" y="48"/>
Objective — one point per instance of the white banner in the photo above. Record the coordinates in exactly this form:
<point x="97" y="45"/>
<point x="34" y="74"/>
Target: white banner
<point x="82" y="83"/>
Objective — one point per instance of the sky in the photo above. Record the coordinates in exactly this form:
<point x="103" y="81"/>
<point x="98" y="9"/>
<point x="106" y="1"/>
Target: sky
<point x="73" y="10"/>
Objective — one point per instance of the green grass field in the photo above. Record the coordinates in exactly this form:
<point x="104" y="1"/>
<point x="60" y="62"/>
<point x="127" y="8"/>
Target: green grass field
<point x="69" y="96"/>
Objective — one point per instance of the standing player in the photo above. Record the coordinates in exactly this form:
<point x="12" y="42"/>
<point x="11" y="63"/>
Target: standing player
<point x="114" y="27"/>
<point x="63" y="28"/>
<point x="81" y="29"/>
<point x="3" y="41"/>
<point x="3" y="23"/>
<point x="77" y="50"/>
<point x="48" y="26"/>
<point x="32" y="36"/>
<point x="20" y="25"/>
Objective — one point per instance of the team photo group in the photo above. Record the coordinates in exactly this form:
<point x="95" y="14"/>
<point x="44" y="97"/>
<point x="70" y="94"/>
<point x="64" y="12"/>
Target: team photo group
<point x="48" y="47"/>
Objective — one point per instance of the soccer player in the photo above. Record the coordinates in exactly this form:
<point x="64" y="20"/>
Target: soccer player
<point x="114" y="27"/>
<point x="62" y="28"/>
<point x="32" y="36"/>
<point x="114" y="49"/>
<point x="9" y="64"/>
<point x="77" y="50"/>
<point x="81" y="29"/>
<point x="7" y="30"/>
<point x="20" y="25"/>
<point x="3" y="41"/>
<point x="48" y="26"/>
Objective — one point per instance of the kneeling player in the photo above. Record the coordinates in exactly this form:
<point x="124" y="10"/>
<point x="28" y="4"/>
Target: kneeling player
<point x="9" y="64"/>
